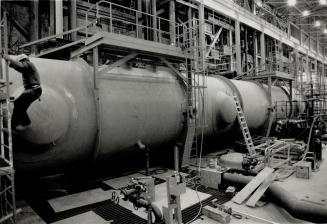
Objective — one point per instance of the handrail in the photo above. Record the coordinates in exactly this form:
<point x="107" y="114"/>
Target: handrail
<point x="134" y="12"/>
<point x="138" y="25"/>
<point x="54" y="36"/>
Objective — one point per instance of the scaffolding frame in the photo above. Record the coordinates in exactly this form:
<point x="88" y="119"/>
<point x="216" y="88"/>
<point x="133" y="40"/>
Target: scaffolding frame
<point x="7" y="173"/>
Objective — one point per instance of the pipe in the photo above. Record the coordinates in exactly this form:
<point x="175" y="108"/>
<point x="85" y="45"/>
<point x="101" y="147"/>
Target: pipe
<point x="297" y="208"/>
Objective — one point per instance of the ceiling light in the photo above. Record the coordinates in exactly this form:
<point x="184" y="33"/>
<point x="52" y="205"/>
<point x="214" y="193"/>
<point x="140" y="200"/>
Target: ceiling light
<point x="323" y="2"/>
<point x="291" y="2"/>
<point x="305" y="13"/>
<point x="325" y="31"/>
<point x="317" y="23"/>
<point x="259" y="3"/>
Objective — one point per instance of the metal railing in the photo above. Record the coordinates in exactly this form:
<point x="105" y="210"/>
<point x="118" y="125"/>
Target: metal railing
<point x="153" y="30"/>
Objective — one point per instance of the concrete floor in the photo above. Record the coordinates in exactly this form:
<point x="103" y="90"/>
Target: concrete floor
<point x="313" y="190"/>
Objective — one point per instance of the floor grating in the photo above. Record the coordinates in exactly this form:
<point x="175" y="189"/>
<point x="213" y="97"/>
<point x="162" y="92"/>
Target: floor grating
<point x="120" y="215"/>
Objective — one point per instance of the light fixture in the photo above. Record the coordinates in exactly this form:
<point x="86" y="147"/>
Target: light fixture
<point x="325" y="31"/>
<point x="291" y="2"/>
<point x="323" y="2"/>
<point x="317" y="23"/>
<point x="305" y="13"/>
<point x="259" y="3"/>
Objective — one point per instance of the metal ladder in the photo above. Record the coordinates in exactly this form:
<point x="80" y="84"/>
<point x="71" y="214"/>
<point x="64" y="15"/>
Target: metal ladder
<point x="7" y="182"/>
<point x="244" y="127"/>
<point x="196" y="92"/>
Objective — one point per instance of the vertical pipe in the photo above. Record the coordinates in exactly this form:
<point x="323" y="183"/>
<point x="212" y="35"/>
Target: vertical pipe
<point x="172" y="19"/>
<point x="262" y="50"/>
<point x="238" y="48"/>
<point x="59" y="16"/>
<point x="176" y="158"/>
<point x="154" y="20"/>
<point x="35" y="33"/>
<point x="73" y="18"/>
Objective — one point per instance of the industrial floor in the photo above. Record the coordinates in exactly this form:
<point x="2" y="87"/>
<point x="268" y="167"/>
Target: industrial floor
<point x="94" y="205"/>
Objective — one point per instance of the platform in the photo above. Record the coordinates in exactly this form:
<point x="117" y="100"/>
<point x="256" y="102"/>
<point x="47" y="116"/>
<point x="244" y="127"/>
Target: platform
<point x="275" y="75"/>
<point x="113" y="41"/>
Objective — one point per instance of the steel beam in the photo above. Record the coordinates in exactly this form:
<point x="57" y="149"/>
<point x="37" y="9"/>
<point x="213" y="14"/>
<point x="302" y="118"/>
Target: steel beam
<point x="179" y="75"/>
<point x="214" y="42"/>
<point x="118" y="63"/>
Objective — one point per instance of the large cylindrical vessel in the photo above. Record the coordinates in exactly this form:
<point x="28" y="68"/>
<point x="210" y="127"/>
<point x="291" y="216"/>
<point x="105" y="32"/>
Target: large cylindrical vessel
<point x="74" y="122"/>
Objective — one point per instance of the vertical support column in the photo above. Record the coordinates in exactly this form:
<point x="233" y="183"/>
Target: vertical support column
<point x="172" y="19"/>
<point x="230" y="43"/>
<point x="138" y="16"/>
<point x="307" y="71"/>
<point x="296" y="67"/>
<point x="255" y="52"/>
<point x="238" y="48"/>
<point x="154" y="20"/>
<point x="263" y="50"/>
<point x="280" y="55"/>
<point x="73" y="18"/>
<point x="148" y="19"/>
<point x="59" y="16"/>
<point x="52" y="16"/>
<point x="190" y="27"/>
<point x="5" y="49"/>
<point x="35" y="33"/>
<point x="291" y="97"/>
<point x="301" y="77"/>
<point x="202" y="43"/>
<point x="316" y="81"/>
<point x="246" y="43"/>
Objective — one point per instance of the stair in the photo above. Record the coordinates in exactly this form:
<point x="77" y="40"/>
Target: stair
<point x="244" y="127"/>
